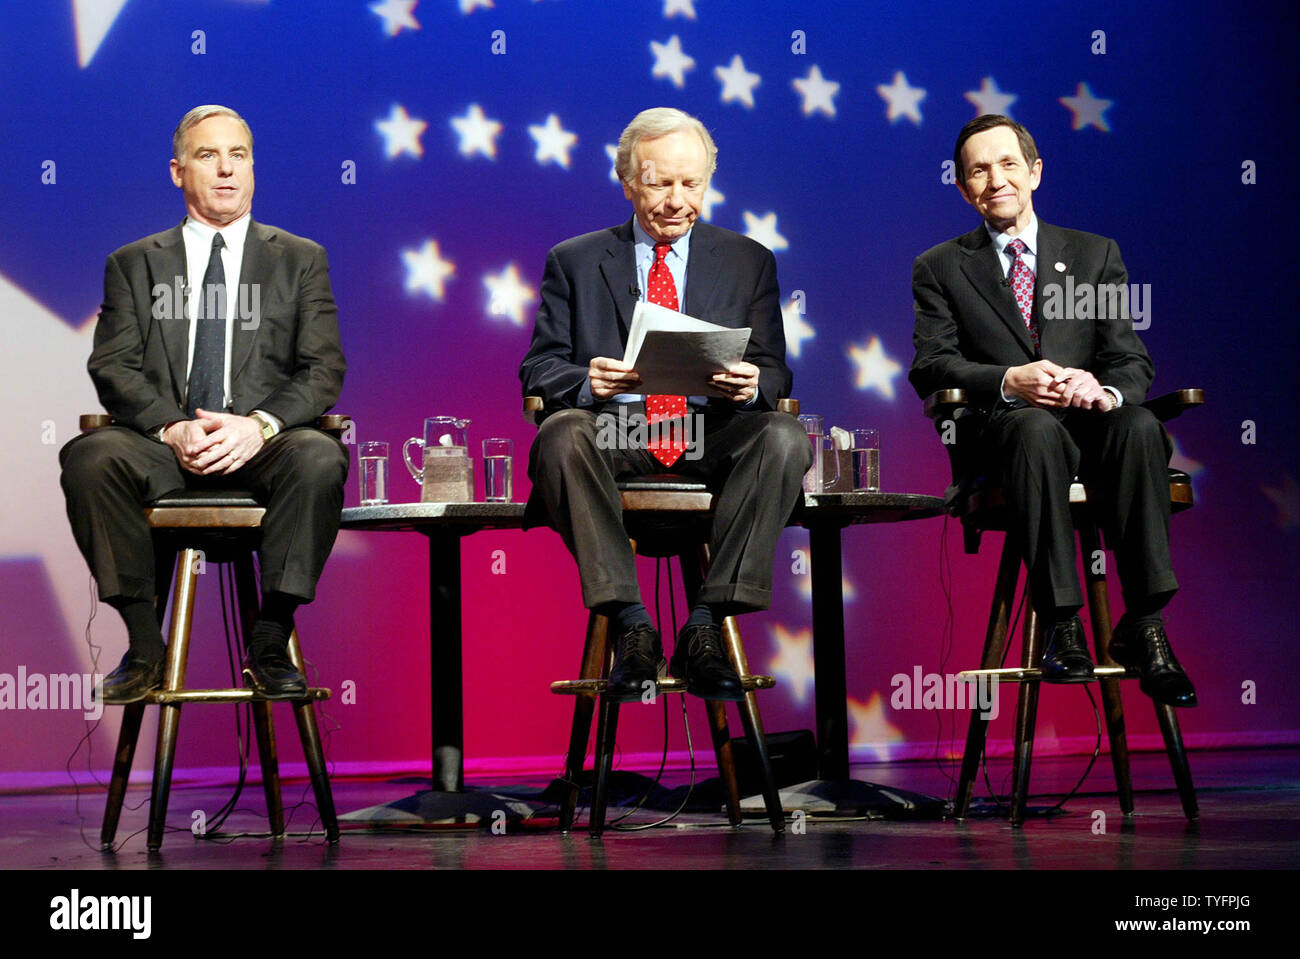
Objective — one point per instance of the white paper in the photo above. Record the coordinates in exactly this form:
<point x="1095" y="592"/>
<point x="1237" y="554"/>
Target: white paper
<point x="679" y="354"/>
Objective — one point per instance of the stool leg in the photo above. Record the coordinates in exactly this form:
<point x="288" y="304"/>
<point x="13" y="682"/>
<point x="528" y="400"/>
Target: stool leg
<point x="1026" y="715"/>
<point x="1169" y="728"/>
<point x="593" y="656"/>
<point x="304" y="711"/>
<point x="178" y="651"/>
<point x="263" y="721"/>
<point x="606" y="731"/>
<point x="995" y="645"/>
<point x="726" y="759"/>
<point x="127" y="737"/>
<point x="1099" y="611"/>
<point x="753" y="723"/>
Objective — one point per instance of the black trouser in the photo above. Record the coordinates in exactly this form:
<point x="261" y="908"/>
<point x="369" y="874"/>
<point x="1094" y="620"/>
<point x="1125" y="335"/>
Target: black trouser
<point x="753" y="461"/>
<point x="1123" y="458"/>
<point x="110" y="474"/>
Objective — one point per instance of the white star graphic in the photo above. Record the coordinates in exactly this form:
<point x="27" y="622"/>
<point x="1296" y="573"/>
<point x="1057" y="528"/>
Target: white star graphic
<point x="685" y="7"/>
<point x="796" y="329"/>
<point x="712" y="198"/>
<point x="611" y="151"/>
<point x="873" y="733"/>
<point x="469" y="6"/>
<point x="989" y="99"/>
<point x="670" y="61"/>
<point x="396" y="14"/>
<point x="876" y="371"/>
<point x="903" y="99"/>
<point x="737" y="82"/>
<point x="427" y="271"/>
<point x="93" y="19"/>
<point x="763" y="229"/>
<point x="553" y="141"/>
<point x="477" y="133"/>
<point x="818" y="93"/>
<point x="401" y="132"/>
<point x="508" y="294"/>
<point x="793" y="663"/>
<point x="1087" y="109"/>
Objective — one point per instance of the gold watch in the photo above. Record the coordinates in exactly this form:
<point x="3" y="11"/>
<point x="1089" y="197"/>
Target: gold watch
<point x="268" y="428"/>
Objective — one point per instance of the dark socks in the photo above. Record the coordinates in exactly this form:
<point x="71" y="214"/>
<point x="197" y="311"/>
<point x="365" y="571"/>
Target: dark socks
<point x="624" y="615"/>
<point x="142" y="628"/>
<point x="702" y="615"/>
<point x="275" y="622"/>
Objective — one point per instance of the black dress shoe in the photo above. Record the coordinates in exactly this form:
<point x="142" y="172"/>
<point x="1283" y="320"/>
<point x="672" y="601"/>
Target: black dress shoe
<point x="1145" y="648"/>
<point x="698" y="658"/>
<point x="1066" y="659"/>
<point x="131" y="681"/>
<point x="638" y="659"/>
<point x="271" y="673"/>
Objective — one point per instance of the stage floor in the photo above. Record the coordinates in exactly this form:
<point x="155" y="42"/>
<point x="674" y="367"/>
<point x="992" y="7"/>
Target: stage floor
<point x="1249" y="802"/>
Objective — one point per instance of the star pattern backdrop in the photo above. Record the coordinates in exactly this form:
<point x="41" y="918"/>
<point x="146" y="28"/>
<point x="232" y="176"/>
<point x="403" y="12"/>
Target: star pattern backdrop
<point x="438" y="149"/>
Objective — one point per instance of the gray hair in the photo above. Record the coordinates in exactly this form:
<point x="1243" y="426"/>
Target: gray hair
<point x="652" y="124"/>
<point x="197" y="116"/>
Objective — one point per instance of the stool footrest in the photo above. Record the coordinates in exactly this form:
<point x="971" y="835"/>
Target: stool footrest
<point x="594" y="687"/>
<point x="1017" y="674"/>
<point x="163" y="697"/>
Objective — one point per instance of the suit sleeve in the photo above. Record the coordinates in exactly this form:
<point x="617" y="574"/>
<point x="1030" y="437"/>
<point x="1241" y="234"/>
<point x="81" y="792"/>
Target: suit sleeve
<point x="318" y="366"/>
<point x="548" y="369"/>
<point x="116" y="362"/>
<point x="1122" y="361"/>
<point x="766" y="348"/>
<point x="939" y="363"/>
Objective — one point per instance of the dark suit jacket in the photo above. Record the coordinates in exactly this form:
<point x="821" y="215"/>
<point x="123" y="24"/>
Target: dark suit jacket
<point x="969" y="329"/>
<point x="286" y="360"/>
<point x="588" y="294"/>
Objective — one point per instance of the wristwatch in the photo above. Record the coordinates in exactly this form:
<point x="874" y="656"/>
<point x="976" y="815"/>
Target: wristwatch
<point x="267" y="427"/>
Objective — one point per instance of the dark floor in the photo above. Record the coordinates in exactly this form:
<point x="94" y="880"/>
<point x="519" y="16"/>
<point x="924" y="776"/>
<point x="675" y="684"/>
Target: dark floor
<point x="1249" y="803"/>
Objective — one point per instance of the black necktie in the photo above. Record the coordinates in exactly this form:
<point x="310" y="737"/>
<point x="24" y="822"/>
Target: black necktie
<point x="207" y="388"/>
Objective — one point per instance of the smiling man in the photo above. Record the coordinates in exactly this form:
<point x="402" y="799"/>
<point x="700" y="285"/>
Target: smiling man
<point x="1055" y="397"/>
<point x="216" y="387"/>
<point x="753" y="457"/>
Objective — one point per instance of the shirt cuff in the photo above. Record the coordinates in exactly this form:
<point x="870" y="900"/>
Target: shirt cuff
<point x="1119" y="397"/>
<point x="1002" y="387"/>
<point x="276" y="424"/>
<point x="584" y="395"/>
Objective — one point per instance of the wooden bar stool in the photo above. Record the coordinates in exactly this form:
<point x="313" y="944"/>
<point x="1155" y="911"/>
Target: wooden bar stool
<point x="985" y="510"/>
<point x="191" y="527"/>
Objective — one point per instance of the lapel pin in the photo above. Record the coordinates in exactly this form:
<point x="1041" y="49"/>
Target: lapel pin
<point x="1060" y="267"/>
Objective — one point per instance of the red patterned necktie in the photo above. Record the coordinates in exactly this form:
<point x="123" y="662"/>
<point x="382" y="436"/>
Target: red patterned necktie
<point x="1022" y="283"/>
<point x="667" y="444"/>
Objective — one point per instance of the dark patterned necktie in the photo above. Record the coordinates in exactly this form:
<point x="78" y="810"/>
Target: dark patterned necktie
<point x="668" y="444"/>
<point x="207" y="383"/>
<point x="1022" y="283"/>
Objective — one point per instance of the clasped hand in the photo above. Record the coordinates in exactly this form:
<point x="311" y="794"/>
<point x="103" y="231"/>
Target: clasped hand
<point x="609" y="377"/>
<point x="214" y="443"/>
<point x="1045" y="384"/>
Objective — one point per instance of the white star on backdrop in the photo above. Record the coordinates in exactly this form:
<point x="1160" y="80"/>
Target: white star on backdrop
<point x="818" y="93"/>
<point x="989" y="99"/>
<point x="737" y="82"/>
<point x="670" y="61"/>
<point x="685" y="7"/>
<point x="872" y="730"/>
<point x="712" y="198"/>
<point x="477" y="133"/>
<point x="426" y="270"/>
<point x="763" y="229"/>
<point x="401" y="132"/>
<point x="93" y="19"/>
<point x="1088" y="110"/>
<point x="902" y="98"/>
<point x="796" y="328"/>
<point x="553" y="141"/>
<point x="793" y="663"/>
<point x="469" y="6"/>
<point x="508" y="294"/>
<point x="611" y="151"/>
<point x="396" y="14"/>
<point x="876" y="371"/>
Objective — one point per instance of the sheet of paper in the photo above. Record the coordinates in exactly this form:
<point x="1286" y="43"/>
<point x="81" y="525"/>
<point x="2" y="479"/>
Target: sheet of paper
<point x="676" y="353"/>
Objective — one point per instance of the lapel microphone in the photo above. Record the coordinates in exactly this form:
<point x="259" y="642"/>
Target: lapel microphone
<point x="634" y="290"/>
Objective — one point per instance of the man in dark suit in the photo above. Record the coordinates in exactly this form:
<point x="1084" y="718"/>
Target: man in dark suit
<point x="216" y="349"/>
<point x="1061" y="390"/>
<point x="752" y="456"/>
